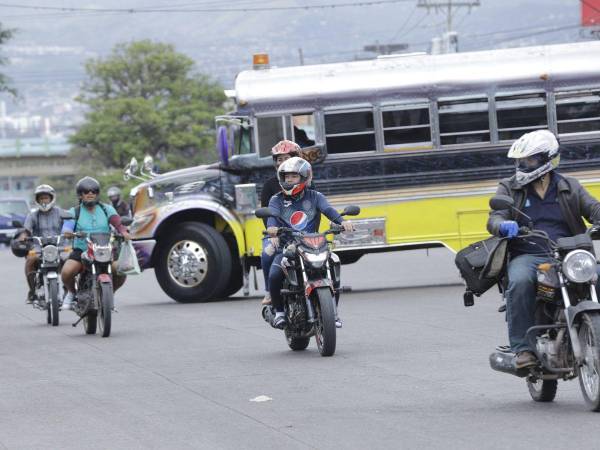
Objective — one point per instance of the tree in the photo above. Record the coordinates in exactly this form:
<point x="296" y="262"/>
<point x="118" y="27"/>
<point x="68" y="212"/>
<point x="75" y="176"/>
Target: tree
<point x="5" y="35"/>
<point x="145" y="99"/>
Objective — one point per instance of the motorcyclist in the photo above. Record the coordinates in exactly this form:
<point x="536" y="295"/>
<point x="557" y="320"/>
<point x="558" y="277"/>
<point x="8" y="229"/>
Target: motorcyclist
<point x="556" y="204"/>
<point x="44" y="221"/>
<point x="114" y="195"/>
<point x="91" y="216"/>
<point x="300" y="208"/>
<point x="282" y="151"/>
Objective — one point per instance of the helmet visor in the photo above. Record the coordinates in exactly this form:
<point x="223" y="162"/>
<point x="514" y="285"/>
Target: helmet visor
<point x="531" y="163"/>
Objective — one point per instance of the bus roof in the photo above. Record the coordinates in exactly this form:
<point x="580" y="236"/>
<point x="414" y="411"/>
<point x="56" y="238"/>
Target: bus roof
<point x="419" y="76"/>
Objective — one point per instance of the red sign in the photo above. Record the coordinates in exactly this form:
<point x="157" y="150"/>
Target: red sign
<point x="590" y="12"/>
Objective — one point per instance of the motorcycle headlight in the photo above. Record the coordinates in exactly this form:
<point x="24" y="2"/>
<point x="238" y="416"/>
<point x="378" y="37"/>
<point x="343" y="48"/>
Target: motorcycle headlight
<point x="103" y="253"/>
<point x="315" y="259"/>
<point x="579" y="266"/>
<point x="50" y="253"/>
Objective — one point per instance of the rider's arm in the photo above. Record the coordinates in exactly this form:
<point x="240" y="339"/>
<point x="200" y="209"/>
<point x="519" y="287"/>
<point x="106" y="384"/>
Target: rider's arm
<point x="115" y="221"/>
<point x="498" y="217"/>
<point x="330" y="212"/>
<point x="69" y="225"/>
<point x="28" y="225"/>
<point x="274" y="204"/>
<point x="590" y="207"/>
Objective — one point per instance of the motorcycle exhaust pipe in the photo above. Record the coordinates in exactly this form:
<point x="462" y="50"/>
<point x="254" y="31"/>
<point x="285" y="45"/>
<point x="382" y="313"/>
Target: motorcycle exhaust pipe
<point x="268" y="314"/>
<point x="505" y="362"/>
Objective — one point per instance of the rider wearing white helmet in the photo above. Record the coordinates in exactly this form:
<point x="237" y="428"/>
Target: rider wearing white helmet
<point x="44" y="221"/>
<point x="554" y="203"/>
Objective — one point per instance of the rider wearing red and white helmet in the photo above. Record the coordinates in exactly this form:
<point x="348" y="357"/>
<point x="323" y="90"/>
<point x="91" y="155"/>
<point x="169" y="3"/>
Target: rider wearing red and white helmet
<point x="299" y="208"/>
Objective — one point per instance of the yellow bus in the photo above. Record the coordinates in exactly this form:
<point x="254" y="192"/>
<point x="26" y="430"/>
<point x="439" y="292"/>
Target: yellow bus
<point x="418" y="141"/>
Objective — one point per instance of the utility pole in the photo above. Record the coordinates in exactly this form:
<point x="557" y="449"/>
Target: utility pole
<point x="301" y="56"/>
<point x="450" y="38"/>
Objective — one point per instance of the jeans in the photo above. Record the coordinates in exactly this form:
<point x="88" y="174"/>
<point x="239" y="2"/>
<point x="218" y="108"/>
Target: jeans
<point x="276" y="277"/>
<point x="266" y="259"/>
<point x="520" y="298"/>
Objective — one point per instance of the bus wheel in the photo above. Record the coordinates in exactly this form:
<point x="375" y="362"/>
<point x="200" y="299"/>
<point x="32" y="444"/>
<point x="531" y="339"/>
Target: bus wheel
<point x="194" y="263"/>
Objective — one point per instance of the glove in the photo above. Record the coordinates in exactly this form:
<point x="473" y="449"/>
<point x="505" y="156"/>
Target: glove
<point x="509" y="228"/>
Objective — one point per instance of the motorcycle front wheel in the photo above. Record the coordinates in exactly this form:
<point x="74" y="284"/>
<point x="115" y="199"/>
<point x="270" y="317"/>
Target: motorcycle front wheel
<point x="53" y="303"/>
<point x="325" y="331"/>
<point x="105" y="305"/>
<point x="542" y="390"/>
<point x="589" y="371"/>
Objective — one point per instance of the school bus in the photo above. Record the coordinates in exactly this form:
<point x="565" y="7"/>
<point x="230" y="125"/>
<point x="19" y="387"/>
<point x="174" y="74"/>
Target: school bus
<point x="418" y="141"/>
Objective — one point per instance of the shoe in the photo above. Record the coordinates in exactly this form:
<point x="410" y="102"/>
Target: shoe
<point x="266" y="300"/>
<point x="278" y="322"/>
<point x="67" y="302"/>
<point x="503" y="348"/>
<point x="30" y="298"/>
<point x="525" y="359"/>
<point x="338" y="322"/>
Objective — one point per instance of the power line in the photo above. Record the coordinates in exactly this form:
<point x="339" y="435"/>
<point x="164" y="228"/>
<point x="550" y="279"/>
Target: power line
<point x="204" y="10"/>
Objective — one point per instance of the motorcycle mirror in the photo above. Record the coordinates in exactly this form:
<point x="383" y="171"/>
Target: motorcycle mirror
<point x="17" y="223"/>
<point x="148" y="163"/>
<point x="126" y="221"/>
<point x="351" y="210"/>
<point x="500" y="202"/>
<point x="133" y="165"/>
<point x="263" y="213"/>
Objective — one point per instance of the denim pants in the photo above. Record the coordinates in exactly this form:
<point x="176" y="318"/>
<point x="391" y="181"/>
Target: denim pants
<point x="520" y="298"/>
<point x="266" y="259"/>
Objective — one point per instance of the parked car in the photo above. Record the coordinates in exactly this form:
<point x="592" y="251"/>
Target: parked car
<point x="11" y="209"/>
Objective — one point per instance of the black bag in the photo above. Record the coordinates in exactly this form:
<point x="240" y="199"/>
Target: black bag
<point x="481" y="264"/>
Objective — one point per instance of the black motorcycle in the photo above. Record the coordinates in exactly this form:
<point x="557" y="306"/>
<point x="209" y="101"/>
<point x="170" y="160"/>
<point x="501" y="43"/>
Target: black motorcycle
<point x="311" y="285"/>
<point x="93" y="285"/>
<point x="46" y="278"/>
<point x="566" y="336"/>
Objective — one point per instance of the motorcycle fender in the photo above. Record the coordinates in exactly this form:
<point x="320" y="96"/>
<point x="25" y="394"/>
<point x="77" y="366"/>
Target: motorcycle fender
<point x="314" y="284"/>
<point x="573" y="312"/>
<point x="52" y="275"/>
<point x="104" y="278"/>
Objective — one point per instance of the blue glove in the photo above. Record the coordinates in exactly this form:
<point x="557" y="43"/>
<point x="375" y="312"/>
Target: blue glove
<point x="509" y="228"/>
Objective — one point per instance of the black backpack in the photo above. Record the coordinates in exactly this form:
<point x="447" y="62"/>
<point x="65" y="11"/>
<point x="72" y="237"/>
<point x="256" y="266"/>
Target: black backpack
<point x="482" y="264"/>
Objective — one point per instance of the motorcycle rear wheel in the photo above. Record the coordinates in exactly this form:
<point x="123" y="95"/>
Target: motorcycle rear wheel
<point x="296" y="343"/>
<point x="105" y="305"/>
<point x="589" y="371"/>
<point x="325" y="330"/>
<point x="53" y="304"/>
<point x="542" y="390"/>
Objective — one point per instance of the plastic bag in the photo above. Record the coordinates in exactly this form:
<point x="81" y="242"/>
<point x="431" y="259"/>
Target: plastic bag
<point x="127" y="264"/>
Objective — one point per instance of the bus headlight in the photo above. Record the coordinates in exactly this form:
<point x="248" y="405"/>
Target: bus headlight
<point x="579" y="266"/>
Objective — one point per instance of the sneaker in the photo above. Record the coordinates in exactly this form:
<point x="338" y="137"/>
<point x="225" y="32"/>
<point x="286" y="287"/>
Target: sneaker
<point x="278" y="322"/>
<point x="67" y="302"/>
<point x="266" y="300"/>
<point x="525" y="359"/>
<point x="338" y="322"/>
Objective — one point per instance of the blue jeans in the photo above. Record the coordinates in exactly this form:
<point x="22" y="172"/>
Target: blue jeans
<point x="520" y="298"/>
<point x="266" y="260"/>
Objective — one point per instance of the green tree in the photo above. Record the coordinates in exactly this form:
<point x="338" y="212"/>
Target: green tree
<point x="145" y="98"/>
<point x="5" y="35"/>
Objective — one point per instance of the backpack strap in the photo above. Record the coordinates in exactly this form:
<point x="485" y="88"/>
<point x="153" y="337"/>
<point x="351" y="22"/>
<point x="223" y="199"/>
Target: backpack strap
<point x="77" y="212"/>
<point x="35" y="222"/>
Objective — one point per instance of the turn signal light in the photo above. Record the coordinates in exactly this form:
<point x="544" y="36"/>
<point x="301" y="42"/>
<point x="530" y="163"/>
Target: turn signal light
<point x="545" y="267"/>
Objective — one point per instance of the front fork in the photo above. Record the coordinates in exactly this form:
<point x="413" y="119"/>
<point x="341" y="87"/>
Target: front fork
<point x="309" y="307"/>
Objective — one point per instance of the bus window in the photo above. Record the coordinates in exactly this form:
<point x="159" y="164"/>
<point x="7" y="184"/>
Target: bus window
<point x="520" y="113"/>
<point x="578" y="112"/>
<point x="403" y="128"/>
<point x="303" y="129"/>
<point x="269" y="132"/>
<point x="464" y="121"/>
<point x="348" y="132"/>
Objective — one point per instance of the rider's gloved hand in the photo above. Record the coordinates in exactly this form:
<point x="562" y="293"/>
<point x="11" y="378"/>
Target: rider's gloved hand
<point x="509" y="228"/>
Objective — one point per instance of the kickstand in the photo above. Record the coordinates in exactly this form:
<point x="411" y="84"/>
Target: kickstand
<point x="80" y="319"/>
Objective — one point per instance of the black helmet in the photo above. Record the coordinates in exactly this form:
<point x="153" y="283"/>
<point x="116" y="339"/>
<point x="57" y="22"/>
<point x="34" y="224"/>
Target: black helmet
<point x="19" y="248"/>
<point x="87" y="184"/>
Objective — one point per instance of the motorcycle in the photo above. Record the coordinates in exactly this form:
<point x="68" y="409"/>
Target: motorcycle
<point x="311" y="285"/>
<point x="93" y="285"/>
<point x="566" y="335"/>
<point x="46" y="281"/>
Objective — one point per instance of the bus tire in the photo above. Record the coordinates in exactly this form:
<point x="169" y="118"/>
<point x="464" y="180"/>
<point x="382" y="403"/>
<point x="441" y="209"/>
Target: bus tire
<point x="193" y="263"/>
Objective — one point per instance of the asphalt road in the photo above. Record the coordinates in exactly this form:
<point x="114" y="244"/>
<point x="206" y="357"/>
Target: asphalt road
<point x="410" y="371"/>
